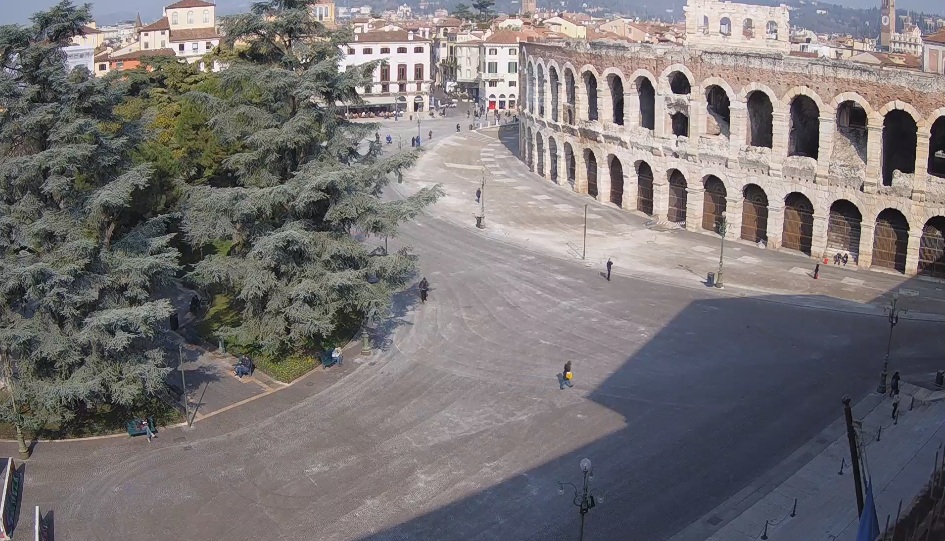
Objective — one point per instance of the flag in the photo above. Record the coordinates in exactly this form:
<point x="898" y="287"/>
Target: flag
<point x="869" y="524"/>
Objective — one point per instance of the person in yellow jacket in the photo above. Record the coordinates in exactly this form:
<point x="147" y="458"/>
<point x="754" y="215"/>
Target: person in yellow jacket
<point x="566" y="375"/>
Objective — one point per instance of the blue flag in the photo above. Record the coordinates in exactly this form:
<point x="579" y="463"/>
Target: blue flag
<point x="869" y="524"/>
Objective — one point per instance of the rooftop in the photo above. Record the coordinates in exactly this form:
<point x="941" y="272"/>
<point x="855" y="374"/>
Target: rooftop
<point x="395" y="36"/>
<point x="194" y="34"/>
<point x="938" y="37"/>
<point x="190" y="4"/>
<point x="160" y="24"/>
<point x="138" y="55"/>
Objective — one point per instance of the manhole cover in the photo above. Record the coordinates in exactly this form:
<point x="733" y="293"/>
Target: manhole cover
<point x="714" y="521"/>
<point x="310" y="384"/>
<point x="188" y="447"/>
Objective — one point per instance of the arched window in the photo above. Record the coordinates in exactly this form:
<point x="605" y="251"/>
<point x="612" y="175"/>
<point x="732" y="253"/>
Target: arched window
<point x="771" y="30"/>
<point x="725" y="26"/>
<point x="206" y="16"/>
<point x="174" y="18"/>
<point x="190" y="17"/>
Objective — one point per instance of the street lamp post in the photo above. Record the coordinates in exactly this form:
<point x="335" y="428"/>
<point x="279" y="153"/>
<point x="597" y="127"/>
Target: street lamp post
<point x="585" y="499"/>
<point x="419" y="134"/>
<point x="893" y="316"/>
<point x="723" y="227"/>
<point x="17" y="421"/>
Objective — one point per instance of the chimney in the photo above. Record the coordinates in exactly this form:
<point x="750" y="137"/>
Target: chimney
<point x="410" y="35"/>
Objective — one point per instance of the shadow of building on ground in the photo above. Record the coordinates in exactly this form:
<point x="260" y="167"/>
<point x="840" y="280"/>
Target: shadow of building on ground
<point x="711" y="404"/>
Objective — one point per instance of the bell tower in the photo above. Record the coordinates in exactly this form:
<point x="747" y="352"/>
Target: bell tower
<point x="887" y="22"/>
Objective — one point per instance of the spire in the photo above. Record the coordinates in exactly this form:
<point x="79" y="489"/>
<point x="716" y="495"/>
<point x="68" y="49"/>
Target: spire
<point x="138" y="21"/>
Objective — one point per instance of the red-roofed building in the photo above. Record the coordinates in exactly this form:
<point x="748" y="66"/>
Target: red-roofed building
<point x="188" y="28"/>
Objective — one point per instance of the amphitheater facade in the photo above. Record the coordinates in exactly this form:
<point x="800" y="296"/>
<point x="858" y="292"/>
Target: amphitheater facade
<point x="812" y="155"/>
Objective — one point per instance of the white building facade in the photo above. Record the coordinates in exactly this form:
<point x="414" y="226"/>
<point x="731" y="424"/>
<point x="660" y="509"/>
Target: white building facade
<point x="403" y="80"/>
<point x="188" y="28"/>
<point x="498" y="66"/>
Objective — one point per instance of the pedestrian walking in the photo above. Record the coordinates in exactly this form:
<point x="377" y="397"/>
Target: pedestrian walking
<point x="610" y="265"/>
<point x="566" y="375"/>
<point x="424" y="287"/>
<point x="846" y="258"/>
<point x="478" y="194"/>
<point x="895" y="410"/>
<point x="836" y="258"/>
<point x="894" y="384"/>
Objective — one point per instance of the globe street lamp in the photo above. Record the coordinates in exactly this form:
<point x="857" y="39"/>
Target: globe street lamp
<point x="585" y="499"/>
<point x="893" y="316"/>
<point x="723" y="227"/>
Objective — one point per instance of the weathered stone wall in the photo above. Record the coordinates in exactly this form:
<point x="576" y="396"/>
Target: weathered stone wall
<point x="834" y="163"/>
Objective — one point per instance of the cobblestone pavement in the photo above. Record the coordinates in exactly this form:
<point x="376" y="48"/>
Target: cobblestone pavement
<point x="459" y="429"/>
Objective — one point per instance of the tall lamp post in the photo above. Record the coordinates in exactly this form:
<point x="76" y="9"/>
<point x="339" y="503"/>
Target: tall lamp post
<point x="723" y="228"/>
<point x="585" y="499"/>
<point x="419" y="134"/>
<point x="892" y="314"/>
<point x="18" y="421"/>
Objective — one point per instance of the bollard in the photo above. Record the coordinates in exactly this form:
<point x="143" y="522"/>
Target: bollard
<point x="843" y="461"/>
<point x="816" y="271"/>
<point x="879" y="433"/>
<point x="764" y="534"/>
<point x="794" y="510"/>
<point x="896" y="414"/>
<point x="896" y="524"/>
<point x="912" y="403"/>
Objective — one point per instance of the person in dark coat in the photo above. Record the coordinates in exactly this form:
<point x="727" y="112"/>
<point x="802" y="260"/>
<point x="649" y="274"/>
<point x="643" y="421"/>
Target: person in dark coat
<point x="564" y="375"/>
<point x="894" y="384"/>
<point x="424" y="287"/>
<point x="610" y="265"/>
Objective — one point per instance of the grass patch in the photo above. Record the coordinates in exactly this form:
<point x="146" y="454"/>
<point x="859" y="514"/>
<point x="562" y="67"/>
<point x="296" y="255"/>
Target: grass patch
<point x="290" y="369"/>
<point x="220" y="313"/>
<point x="103" y="420"/>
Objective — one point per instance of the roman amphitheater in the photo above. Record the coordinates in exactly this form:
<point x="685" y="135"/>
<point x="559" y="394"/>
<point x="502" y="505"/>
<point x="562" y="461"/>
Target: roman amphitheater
<point x="807" y="154"/>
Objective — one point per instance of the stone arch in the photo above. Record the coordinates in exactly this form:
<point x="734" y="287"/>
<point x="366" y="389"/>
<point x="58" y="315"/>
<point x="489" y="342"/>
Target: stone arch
<point x="758" y="87"/>
<point x="771" y="30"/>
<point x="541" y="89"/>
<point x="802" y="91"/>
<point x="900" y="139"/>
<point x="554" y="81"/>
<point x="664" y="76"/>
<point x="899" y="105"/>
<point x="679" y="83"/>
<point x="677" y="196"/>
<point x="616" y="180"/>
<point x="530" y="87"/>
<point x="615" y="84"/>
<point x="855" y="98"/>
<point x="936" y="130"/>
<point x="760" y="118"/>
<point x="646" y="96"/>
<point x="798" y="223"/>
<point x="718" y="103"/>
<point x="754" y="214"/>
<point x="570" y="166"/>
<point x="591" y="80"/>
<point x="725" y="26"/>
<point x="932" y="248"/>
<point x="804" y="127"/>
<point x="719" y="82"/>
<point x="553" y="159"/>
<point x="529" y="149"/>
<point x="679" y="122"/>
<point x="891" y="240"/>
<point x="591" y="170"/>
<point x="714" y="202"/>
<point x="852" y="120"/>
<point x="843" y="229"/>
<point x="748" y="28"/>
<point x="644" y="187"/>
<point x="570" y="93"/>
<point x="540" y="150"/>
<point x="925" y="126"/>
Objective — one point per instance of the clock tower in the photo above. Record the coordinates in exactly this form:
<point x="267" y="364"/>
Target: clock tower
<point x="887" y="23"/>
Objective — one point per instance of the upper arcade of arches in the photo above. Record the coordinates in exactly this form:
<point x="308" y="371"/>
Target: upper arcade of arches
<point x="714" y="23"/>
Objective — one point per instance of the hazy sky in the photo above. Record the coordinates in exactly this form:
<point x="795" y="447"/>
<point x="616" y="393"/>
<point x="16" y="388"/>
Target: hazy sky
<point x="18" y="11"/>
